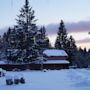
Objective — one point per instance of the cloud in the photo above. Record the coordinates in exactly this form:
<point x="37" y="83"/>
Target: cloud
<point x="81" y="26"/>
<point x="86" y="40"/>
<point x="52" y="28"/>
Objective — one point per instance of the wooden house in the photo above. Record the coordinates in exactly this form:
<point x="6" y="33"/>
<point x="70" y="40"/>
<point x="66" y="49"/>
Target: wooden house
<point x="56" y="59"/>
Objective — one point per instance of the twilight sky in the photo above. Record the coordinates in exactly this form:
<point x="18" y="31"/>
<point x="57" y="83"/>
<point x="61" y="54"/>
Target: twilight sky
<point x="75" y="14"/>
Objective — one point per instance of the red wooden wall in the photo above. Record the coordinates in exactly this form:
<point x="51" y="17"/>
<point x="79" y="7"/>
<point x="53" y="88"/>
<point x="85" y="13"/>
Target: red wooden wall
<point x="35" y="66"/>
<point x="56" y="57"/>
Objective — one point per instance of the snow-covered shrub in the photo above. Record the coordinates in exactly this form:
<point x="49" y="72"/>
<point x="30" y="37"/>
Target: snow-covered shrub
<point x="16" y="79"/>
<point x="22" y="80"/>
<point x="9" y="80"/>
<point x="73" y="67"/>
<point x="19" y="79"/>
<point x="44" y="70"/>
<point x="16" y="69"/>
<point x="2" y="72"/>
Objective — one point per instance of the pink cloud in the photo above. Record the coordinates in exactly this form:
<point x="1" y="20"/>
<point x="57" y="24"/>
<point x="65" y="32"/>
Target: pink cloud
<point x="82" y="26"/>
<point x="86" y="40"/>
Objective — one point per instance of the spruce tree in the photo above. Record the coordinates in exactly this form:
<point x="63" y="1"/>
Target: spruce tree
<point x="21" y="40"/>
<point x="26" y="20"/>
<point x="61" y="40"/>
<point x="71" y="49"/>
<point x="42" y="39"/>
<point x="81" y="58"/>
<point x="10" y="44"/>
<point x="27" y="24"/>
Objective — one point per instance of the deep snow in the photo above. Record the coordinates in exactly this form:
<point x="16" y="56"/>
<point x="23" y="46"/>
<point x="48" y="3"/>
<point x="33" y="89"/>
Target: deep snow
<point x="71" y="79"/>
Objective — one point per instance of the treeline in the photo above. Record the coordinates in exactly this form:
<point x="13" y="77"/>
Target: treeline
<point x="77" y="56"/>
<point x="24" y="43"/>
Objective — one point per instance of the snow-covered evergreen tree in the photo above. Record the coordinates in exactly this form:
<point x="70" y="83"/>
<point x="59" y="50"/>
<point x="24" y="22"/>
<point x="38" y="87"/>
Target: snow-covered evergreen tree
<point x="81" y="58"/>
<point x="42" y="39"/>
<point x="26" y="21"/>
<point x="2" y="49"/>
<point x="71" y="49"/>
<point x="21" y="42"/>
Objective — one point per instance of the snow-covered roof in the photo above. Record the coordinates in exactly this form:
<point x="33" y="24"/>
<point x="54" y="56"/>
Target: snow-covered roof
<point x="55" y="52"/>
<point x="56" y="62"/>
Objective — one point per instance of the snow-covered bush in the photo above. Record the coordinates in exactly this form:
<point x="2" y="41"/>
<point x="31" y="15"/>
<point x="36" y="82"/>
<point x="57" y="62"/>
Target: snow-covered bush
<point x="2" y="72"/>
<point x="44" y="70"/>
<point x="19" y="79"/>
<point x="9" y="80"/>
<point x="16" y="69"/>
<point x="73" y="67"/>
<point x="16" y="79"/>
<point x="22" y="80"/>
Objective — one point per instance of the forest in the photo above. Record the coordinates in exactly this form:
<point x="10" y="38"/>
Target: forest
<point x="25" y="42"/>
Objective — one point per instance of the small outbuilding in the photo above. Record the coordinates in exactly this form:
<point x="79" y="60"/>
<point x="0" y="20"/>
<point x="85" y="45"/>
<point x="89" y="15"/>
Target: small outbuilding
<point x="56" y="59"/>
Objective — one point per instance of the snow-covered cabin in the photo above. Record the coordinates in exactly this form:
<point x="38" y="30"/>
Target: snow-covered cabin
<point x="56" y="59"/>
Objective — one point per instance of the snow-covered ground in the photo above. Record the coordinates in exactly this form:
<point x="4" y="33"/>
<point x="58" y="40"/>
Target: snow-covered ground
<point x="72" y="79"/>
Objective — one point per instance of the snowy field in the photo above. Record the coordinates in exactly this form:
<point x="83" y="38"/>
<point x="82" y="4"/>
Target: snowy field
<point x="77" y="79"/>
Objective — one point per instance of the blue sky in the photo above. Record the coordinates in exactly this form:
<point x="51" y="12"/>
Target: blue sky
<point x="47" y="11"/>
<point x="75" y="13"/>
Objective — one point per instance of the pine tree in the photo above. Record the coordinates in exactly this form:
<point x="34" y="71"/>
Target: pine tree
<point x="81" y="58"/>
<point x="72" y="43"/>
<point x="26" y="20"/>
<point x="2" y="49"/>
<point x="88" y="57"/>
<point x="6" y="36"/>
<point x="21" y="39"/>
<point x="42" y="39"/>
<point x="71" y="49"/>
<point x="65" y="42"/>
<point x="61" y="40"/>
